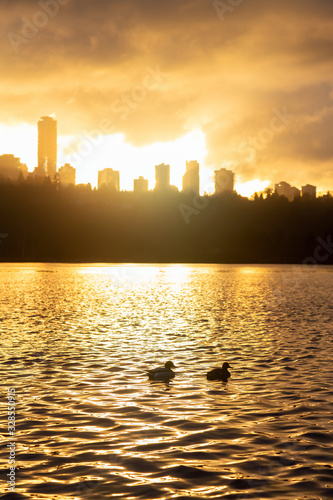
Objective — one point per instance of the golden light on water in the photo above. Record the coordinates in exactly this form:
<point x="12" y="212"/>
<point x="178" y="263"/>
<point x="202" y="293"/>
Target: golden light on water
<point x="102" y="429"/>
<point x="236" y="85"/>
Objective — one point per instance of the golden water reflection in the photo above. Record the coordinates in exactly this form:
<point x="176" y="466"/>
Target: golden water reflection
<point x="78" y="341"/>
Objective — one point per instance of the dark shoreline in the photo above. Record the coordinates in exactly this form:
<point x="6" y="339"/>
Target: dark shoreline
<point x="47" y="223"/>
<point x="166" y="263"/>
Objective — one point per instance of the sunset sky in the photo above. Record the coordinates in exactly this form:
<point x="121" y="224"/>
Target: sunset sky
<point x="241" y="84"/>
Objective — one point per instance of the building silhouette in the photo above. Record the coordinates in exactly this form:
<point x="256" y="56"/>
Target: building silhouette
<point x="47" y="146"/>
<point x="108" y="178"/>
<point x="12" y="168"/>
<point x="224" y="181"/>
<point x="67" y="175"/>
<point x="162" y="177"/>
<point x="140" y="185"/>
<point x="309" y="191"/>
<point x="285" y="189"/>
<point x="191" y="180"/>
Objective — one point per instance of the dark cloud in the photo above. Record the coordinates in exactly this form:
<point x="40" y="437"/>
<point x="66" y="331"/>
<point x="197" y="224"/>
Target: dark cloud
<point x="89" y="62"/>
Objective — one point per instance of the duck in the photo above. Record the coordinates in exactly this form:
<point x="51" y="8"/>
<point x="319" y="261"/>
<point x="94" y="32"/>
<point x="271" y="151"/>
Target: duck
<point x="219" y="373"/>
<point x="163" y="373"/>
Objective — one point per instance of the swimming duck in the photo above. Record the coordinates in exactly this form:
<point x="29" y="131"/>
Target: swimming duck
<point x="219" y="373"/>
<point x="163" y="373"/>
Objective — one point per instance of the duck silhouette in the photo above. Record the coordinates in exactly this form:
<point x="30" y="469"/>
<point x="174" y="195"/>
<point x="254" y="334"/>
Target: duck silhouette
<point x="163" y="373"/>
<point x="219" y="373"/>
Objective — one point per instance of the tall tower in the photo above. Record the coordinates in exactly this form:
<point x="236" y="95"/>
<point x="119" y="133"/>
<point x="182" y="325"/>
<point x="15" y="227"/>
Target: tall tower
<point x="47" y="146"/>
<point x="224" y="181"/>
<point x="67" y="175"/>
<point x="162" y="176"/>
<point x="108" y="178"/>
<point x="191" y="177"/>
<point x="141" y="185"/>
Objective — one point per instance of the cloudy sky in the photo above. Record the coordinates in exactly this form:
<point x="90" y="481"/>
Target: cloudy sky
<point x="242" y="84"/>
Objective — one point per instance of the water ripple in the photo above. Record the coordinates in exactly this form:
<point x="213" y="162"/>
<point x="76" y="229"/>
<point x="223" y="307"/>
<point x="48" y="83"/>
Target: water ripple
<point x="77" y="343"/>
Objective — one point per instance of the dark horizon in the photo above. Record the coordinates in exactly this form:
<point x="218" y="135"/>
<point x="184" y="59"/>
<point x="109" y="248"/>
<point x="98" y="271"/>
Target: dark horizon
<point x="49" y="223"/>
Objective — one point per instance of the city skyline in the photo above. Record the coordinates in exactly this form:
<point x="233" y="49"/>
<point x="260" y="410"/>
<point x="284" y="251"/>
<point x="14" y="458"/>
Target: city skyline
<point x="47" y="146"/>
<point x="209" y="76"/>
<point x="47" y="154"/>
<point x="224" y="180"/>
<point x="166" y="200"/>
<point x="177" y="154"/>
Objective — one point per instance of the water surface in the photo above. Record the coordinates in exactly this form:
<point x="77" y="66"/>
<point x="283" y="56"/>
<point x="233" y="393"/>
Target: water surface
<point x="77" y="342"/>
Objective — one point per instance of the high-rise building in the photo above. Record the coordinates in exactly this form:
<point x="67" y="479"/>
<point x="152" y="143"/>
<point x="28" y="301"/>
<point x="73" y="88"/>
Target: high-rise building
<point x="309" y="191"/>
<point x="285" y="189"/>
<point x="191" y="180"/>
<point x="162" y="176"/>
<point x="141" y="185"/>
<point x="224" y="181"/>
<point x="108" y="178"/>
<point x="67" y="175"/>
<point x="11" y="167"/>
<point x="47" y="146"/>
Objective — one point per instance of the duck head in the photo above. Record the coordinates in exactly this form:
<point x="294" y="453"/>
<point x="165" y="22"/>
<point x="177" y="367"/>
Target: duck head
<point x="225" y="366"/>
<point x="169" y="364"/>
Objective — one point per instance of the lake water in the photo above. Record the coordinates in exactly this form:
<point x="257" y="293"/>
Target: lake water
<point x="77" y="341"/>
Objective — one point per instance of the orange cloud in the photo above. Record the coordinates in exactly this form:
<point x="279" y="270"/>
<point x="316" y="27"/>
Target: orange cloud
<point x="89" y="62"/>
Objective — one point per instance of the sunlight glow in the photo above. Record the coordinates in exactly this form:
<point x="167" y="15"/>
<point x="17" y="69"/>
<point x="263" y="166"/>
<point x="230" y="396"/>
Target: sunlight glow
<point x="21" y="141"/>
<point x="176" y="274"/>
<point x="248" y="189"/>
<point x="89" y="154"/>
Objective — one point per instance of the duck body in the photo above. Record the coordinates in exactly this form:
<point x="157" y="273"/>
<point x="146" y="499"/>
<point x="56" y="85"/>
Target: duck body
<point x="219" y="373"/>
<point x="163" y="373"/>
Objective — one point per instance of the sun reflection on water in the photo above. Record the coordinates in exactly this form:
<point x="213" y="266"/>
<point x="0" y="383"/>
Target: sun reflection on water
<point x="77" y="344"/>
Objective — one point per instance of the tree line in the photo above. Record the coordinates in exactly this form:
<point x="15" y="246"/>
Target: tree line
<point x="46" y="222"/>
